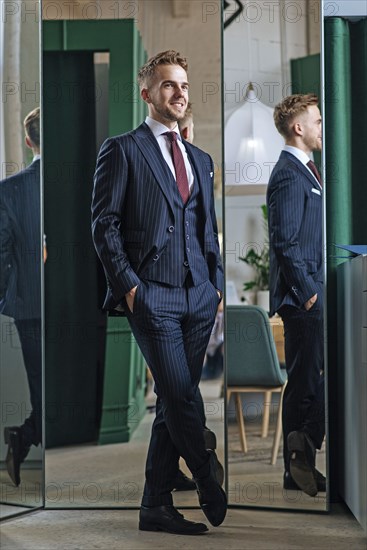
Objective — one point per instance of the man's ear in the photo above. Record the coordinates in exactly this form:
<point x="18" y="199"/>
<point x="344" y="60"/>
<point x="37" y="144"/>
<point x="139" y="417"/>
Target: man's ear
<point x="144" y="94"/>
<point x="297" y="128"/>
<point x="184" y="132"/>
<point x="28" y="142"/>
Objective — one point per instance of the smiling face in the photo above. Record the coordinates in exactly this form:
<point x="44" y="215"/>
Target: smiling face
<point x="167" y="94"/>
<point x="309" y="129"/>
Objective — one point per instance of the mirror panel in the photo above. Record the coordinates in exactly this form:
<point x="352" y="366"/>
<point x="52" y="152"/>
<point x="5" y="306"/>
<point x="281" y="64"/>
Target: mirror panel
<point x="99" y="395"/>
<point x="271" y="50"/>
<point x="21" y="451"/>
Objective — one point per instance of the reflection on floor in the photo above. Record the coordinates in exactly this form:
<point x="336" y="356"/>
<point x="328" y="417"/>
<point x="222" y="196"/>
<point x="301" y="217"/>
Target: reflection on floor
<point x="27" y="495"/>
<point x="254" y="481"/>
<point x="113" y="475"/>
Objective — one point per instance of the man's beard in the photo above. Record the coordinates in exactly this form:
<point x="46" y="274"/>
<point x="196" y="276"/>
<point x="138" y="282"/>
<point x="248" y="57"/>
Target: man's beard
<point x="169" y="114"/>
<point x="313" y="144"/>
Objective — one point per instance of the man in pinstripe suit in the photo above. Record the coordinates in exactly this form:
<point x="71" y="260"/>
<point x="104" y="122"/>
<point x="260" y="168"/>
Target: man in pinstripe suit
<point x="20" y="287"/>
<point x="155" y="231"/>
<point x="294" y="199"/>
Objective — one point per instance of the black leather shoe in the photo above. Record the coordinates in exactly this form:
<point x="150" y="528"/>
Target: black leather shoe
<point x="212" y="498"/>
<point x="167" y="518"/>
<point x="290" y="485"/>
<point x="211" y="444"/>
<point x="183" y="483"/>
<point x="16" y="452"/>
<point x="302" y="461"/>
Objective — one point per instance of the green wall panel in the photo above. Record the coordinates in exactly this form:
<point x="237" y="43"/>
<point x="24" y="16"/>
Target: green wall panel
<point x="125" y="370"/>
<point x="122" y="40"/>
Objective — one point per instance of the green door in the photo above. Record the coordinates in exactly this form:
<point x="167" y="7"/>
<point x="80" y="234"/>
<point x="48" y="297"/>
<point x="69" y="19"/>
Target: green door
<point x="95" y="383"/>
<point x="71" y="309"/>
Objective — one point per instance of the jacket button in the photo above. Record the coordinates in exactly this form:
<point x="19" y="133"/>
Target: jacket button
<point x="156" y="257"/>
<point x="186" y="263"/>
<point x="171" y="229"/>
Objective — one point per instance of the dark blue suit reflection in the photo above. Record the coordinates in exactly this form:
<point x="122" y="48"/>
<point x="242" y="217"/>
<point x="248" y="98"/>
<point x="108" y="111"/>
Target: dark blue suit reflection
<point x="294" y="200"/>
<point x="20" y="280"/>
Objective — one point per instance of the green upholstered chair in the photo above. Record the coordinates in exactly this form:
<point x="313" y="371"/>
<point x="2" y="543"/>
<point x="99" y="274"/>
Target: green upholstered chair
<point x="253" y="366"/>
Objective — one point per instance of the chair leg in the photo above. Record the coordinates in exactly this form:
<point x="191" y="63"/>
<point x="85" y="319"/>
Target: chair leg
<point x="266" y="414"/>
<point x="278" y="430"/>
<point x="241" y="422"/>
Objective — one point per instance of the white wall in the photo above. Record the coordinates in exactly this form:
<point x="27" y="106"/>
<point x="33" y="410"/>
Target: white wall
<point x="258" y="47"/>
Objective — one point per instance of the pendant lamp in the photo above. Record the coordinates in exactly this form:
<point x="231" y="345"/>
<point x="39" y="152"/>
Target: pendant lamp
<point x="252" y="143"/>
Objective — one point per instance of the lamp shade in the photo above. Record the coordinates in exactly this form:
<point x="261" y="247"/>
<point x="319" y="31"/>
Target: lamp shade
<point x="252" y="143"/>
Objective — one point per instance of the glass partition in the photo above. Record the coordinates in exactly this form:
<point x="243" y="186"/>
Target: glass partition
<point x="22" y="256"/>
<point x="99" y="392"/>
<point x="271" y="50"/>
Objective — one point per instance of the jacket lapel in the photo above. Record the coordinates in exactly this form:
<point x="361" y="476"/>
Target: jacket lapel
<point x="149" y="147"/>
<point x="199" y="172"/>
<point x="287" y="156"/>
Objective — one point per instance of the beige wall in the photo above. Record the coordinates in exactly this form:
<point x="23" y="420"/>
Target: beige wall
<point x="21" y="75"/>
<point x="191" y="27"/>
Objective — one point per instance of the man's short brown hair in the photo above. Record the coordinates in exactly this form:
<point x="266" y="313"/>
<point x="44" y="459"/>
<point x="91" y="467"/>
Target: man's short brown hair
<point x="291" y="106"/>
<point x="169" y="57"/>
<point x="32" y="127"/>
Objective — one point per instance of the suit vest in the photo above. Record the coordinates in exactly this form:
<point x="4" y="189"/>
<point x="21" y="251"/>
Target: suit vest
<point x="184" y="251"/>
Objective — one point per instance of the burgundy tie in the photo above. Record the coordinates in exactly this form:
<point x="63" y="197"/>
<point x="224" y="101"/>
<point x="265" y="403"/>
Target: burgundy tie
<point x="179" y="164"/>
<point x="314" y="170"/>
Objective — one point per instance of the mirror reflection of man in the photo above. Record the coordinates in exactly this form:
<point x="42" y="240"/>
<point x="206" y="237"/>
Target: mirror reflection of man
<point x="155" y="231"/>
<point x="294" y="199"/>
<point x="20" y="288"/>
<point x="186" y="125"/>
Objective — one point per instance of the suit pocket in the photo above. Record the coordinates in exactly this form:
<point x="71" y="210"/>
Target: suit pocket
<point x="136" y="300"/>
<point x="133" y="243"/>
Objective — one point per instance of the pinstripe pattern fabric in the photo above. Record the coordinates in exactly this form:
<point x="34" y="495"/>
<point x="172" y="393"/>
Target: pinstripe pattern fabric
<point x="294" y="201"/>
<point x="295" y="233"/>
<point x="303" y="399"/>
<point x="140" y="229"/>
<point x="172" y="327"/>
<point x="20" y="244"/>
<point x="184" y="249"/>
<point x="20" y="274"/>
<point x="132" y="210"/>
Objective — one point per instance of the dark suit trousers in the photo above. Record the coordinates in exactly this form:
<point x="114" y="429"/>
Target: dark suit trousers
<point x="172" y="327"/>
<point x="304" y="401"/>
<point x="29" y="331"/>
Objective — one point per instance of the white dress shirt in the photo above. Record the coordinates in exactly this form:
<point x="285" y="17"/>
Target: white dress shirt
<point x="158" y="130"/>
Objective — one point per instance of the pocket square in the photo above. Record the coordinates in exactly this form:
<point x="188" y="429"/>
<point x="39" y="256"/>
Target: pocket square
<point x="317" y="191"/>
<point x="211" y="174"/>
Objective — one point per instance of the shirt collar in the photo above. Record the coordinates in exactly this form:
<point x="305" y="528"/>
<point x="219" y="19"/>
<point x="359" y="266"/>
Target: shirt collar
<point x="298" y="153"/>
<point x="157" y="128"/>
<point x="36" y="157"/>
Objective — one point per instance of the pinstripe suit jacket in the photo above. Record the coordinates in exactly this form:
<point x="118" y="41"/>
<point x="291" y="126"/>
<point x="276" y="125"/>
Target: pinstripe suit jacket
<point x="132" y="209"/>
<point x="294" y="202"/>
<point x="20" y="244"/>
